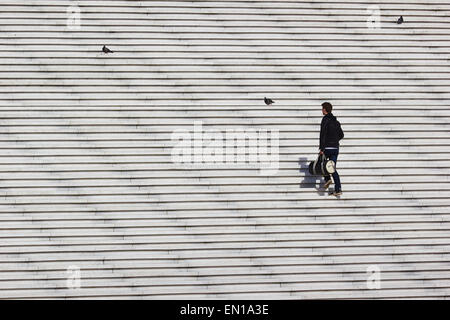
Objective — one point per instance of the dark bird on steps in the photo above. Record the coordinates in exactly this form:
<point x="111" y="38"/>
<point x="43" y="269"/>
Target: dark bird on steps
<point x="400" y="20"/>
<point x="268" y="101"/>
<point x="106" y="50"/>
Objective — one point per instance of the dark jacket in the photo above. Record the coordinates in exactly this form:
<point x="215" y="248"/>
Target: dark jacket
<point x="330" y="132"/>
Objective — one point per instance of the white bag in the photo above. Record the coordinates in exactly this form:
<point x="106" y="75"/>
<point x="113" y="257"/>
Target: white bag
<point x="322" y="166"/>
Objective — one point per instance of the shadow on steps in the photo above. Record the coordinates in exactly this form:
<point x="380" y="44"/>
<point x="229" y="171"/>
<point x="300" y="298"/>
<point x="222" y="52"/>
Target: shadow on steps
<point x="310" y="181"/>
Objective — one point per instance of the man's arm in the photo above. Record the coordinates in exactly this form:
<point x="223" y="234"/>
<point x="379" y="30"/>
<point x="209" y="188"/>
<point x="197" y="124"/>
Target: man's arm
<point x="341" y="133"/>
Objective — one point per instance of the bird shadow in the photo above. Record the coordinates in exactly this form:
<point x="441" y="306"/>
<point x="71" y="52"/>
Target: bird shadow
<point x="309" y="181"/>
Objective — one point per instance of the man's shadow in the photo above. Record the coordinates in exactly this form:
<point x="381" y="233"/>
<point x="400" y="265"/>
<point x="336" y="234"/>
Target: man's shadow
<point x="310" y="181"/>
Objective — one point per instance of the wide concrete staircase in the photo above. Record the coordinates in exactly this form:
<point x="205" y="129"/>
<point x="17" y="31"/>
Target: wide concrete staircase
<point x="88" y="182"/>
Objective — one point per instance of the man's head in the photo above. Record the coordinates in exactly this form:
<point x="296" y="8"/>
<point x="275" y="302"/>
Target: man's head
<point x="326" y="108"/>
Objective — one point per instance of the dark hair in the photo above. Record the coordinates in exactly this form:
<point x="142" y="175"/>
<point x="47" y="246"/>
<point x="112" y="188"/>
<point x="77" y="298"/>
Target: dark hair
<point x="327" y="106"/>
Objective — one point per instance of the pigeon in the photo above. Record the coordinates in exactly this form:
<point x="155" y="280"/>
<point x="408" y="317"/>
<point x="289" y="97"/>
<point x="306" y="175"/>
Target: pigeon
<point x="268" y="101"/>
<point x="400" y="20"/>
<point x="106" y="50"/>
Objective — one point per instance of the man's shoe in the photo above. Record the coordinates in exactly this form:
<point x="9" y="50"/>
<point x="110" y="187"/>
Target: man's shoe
<point x="327" y="184"/>
<point x="336" y="193"/>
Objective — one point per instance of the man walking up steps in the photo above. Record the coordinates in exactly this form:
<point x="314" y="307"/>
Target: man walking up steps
<point x="330" y="135"/>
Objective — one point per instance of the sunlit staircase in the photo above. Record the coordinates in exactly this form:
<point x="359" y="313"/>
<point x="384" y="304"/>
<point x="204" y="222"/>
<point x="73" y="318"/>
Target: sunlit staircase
<point x="87" y="179"/>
